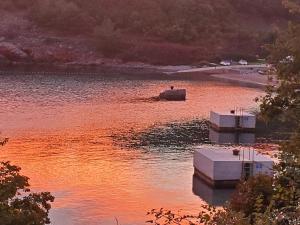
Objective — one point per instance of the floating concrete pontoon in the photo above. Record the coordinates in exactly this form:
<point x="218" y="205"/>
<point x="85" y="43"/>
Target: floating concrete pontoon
<point x="173" y="94"/>
<point x="220" y="168"/>
<point x="232" y="121"/>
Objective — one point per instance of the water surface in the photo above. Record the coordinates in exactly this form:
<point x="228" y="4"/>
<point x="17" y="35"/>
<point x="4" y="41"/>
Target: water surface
<point x="63" y="131"/>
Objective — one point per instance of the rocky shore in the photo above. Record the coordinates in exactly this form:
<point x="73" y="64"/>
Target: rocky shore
<point x="30" y="60"/>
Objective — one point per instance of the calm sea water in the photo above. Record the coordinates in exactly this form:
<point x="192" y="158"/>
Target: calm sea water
<point x="62" y="133"/>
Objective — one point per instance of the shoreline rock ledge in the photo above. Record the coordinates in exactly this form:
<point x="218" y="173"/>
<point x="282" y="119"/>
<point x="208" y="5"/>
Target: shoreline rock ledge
<point x="12" y="52"/>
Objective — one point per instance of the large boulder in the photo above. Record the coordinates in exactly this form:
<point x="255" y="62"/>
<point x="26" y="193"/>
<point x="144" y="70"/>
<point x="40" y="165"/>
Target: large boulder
<point x="12" y="52"/>
<point x="173" y="95"/>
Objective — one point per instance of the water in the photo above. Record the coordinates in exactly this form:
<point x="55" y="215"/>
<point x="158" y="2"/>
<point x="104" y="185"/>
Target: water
<point x="65" y="134"/>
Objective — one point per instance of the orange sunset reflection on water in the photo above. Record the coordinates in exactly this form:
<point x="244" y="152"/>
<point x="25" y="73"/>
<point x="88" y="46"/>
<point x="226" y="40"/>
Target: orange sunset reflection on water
<point x="62" y="130"/>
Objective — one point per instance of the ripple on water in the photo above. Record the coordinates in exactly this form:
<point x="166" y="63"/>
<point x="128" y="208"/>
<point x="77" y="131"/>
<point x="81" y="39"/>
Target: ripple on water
<point x="103" y="147"/>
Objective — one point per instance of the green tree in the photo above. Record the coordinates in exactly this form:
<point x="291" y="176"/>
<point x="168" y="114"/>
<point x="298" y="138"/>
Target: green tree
<point x="62" y="15"/>
<point x="108" y="38"/>
<point x="18" y="205"/>
<point x="253" y="195"/>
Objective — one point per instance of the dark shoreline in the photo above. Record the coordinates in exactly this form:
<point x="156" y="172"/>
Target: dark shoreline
<point x="29" y="68"/>
<point x="131" y="72"/>
<point x="141" y="72"/>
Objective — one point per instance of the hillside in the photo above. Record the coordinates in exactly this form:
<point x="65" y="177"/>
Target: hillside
<point x="161" y="32"/>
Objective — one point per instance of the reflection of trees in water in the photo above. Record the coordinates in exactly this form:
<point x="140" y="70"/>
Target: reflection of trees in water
<point x="174" y="134"/>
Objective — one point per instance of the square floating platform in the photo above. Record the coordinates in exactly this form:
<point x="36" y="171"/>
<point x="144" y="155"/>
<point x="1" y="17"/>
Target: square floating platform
<point x="220" y="168"/>
<point x="232" y="121"/>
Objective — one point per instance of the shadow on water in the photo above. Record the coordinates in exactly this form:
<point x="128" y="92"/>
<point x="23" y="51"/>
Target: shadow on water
<point x="213" y="196"/>
<point x="146" y="100"/>
<point x="175" y="135"/>
<point x="224" y="138"/>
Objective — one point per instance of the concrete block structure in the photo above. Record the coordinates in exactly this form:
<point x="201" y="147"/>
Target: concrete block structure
<point x="220" y="168"/>
<point x="232" y="121"/>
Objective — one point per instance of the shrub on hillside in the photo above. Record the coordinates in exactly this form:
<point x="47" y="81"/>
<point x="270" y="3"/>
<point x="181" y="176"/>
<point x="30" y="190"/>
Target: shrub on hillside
<point x="108" y="38"/>
<point x="253" y="196"/>
<point x="181" y="33"/>
<point x="11" y="5"/>
<point x="61" y="15"/>
<point x="266" y="8"/>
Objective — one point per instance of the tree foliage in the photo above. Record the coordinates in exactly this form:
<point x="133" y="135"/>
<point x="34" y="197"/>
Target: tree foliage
<point x="218" y="28"/>
<point x="252" y="196"/>
<point x="62" y="15"/>
<point x="108" y="38"/>
<point x="174" y="20"/>
<point x="18" y="205"/>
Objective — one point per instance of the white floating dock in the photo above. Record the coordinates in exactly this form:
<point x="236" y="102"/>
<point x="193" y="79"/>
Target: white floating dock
<point x="220" y="168"/>
<point x="232" y="121"/>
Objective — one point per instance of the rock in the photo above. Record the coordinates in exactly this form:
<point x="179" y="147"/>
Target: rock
<point x="173" y="95"/>
<point x="28" y="51"/>
<point x="12" y="52"/>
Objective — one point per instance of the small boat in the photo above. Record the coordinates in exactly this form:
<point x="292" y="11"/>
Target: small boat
<point x="173" y="95"/>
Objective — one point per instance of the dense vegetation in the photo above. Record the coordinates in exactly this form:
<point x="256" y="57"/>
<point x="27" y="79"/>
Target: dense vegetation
<point x="238" y="27"/>
<point x="157" y="17"/>
<point x="178" y="21"/>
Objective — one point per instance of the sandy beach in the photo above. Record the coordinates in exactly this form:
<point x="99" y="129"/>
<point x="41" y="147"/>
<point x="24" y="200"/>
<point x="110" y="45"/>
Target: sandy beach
<point x="250" y="79"/>
<point x="250" y="75"/>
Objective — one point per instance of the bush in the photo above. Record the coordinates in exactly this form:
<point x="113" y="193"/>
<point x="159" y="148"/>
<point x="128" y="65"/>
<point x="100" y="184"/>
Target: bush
<point x="11" y="5"/>
<point x="18" y="205"/>
<point x="108" y="38"/>
<point x="61" y="15"/>
<point x="253" y="195"/>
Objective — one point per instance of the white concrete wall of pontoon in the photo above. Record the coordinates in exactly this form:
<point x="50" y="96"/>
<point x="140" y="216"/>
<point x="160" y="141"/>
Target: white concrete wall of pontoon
<point x="228" y="120"/>
<point x="229" y="167"/>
